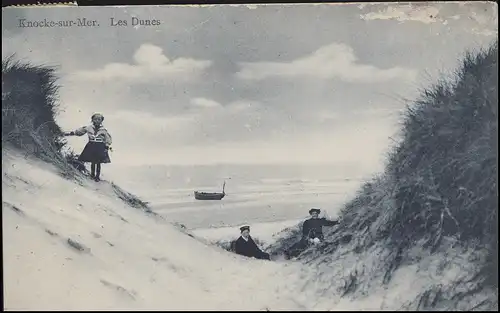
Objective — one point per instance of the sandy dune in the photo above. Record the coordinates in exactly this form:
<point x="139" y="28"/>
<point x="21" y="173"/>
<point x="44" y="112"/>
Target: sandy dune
<point x="77" y="246"/>
<point x="72" y="246"/>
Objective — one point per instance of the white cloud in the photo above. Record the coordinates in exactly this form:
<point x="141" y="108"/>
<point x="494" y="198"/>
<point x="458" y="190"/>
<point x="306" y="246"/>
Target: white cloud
<point x="378" y="111"/>
<point x="205" y="103"/>
<point x="326" y="116"/>
<point x="241" y="105"/>
<point x="150" y="123"/>
<point x="150" y="63"/>
<point x="331" y="61"/>
<point x="403" y="13"/>
<point x="363" y="143"/>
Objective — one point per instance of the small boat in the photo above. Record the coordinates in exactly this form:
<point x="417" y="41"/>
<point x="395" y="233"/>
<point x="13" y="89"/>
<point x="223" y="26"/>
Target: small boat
<point x="199" y="195"/>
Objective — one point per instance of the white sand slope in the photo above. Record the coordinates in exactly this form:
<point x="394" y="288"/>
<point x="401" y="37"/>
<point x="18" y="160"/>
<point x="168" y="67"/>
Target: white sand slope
<point x="71" y="246"/>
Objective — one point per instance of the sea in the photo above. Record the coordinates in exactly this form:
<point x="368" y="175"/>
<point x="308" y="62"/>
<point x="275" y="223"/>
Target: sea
<point x="269" y="198"/>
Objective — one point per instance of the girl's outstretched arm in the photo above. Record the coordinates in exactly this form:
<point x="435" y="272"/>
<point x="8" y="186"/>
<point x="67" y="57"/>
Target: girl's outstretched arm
<point x="78" y="132"/>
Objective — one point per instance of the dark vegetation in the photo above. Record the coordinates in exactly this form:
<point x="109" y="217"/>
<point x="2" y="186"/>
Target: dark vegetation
<point x="439" y="185"/>
<point x="130" y="199"/>
<point x="77" y="246"/>
<point x="284" y="240"/>
<point x="29" y="107"/>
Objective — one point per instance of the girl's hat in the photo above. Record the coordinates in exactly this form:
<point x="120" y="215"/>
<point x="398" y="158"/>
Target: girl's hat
<point x="314" y="210"/>
<point x="243" y="228"/>
<point x="97" y="115"/>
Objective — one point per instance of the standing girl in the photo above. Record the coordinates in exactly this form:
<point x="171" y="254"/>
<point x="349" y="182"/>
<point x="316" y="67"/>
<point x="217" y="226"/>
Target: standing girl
<point x="96" y="150"/>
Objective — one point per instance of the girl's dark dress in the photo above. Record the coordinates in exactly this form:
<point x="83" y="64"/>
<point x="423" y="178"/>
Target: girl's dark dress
<point x="96" y="150"/>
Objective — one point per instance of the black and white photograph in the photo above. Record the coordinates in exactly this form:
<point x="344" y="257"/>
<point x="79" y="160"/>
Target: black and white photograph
<point x="259" y="157"/>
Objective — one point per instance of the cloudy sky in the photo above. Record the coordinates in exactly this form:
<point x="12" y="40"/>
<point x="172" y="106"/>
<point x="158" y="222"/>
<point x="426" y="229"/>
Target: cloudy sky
<point x="260" y="84"/>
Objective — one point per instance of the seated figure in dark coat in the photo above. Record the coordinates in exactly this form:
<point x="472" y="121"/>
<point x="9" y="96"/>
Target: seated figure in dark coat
<point x="312" y="232"/>
<point x="247" y="247"/>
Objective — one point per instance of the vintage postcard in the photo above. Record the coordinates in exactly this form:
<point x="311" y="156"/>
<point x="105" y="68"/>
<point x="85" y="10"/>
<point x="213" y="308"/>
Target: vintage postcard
<point x="250" y="157"/>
